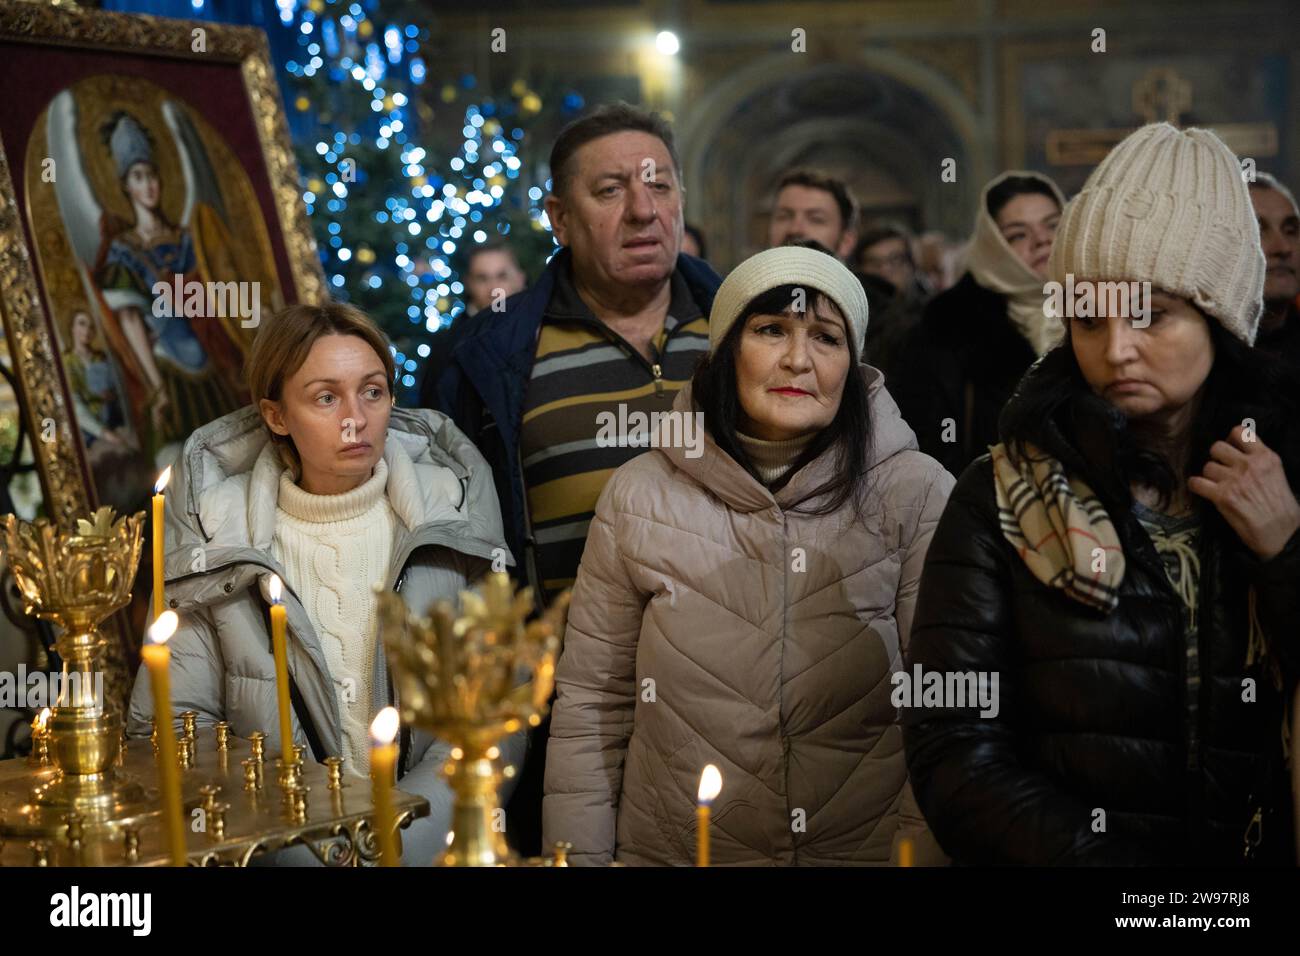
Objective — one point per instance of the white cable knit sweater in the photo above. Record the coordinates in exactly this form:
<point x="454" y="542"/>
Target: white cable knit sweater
<point x="333" y="548"/>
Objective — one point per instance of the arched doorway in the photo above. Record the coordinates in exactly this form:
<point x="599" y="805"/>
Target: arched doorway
<point x="886" y="136"/>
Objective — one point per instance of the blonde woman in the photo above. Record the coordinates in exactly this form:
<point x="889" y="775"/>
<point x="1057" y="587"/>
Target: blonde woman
<point x="328" y="485"/>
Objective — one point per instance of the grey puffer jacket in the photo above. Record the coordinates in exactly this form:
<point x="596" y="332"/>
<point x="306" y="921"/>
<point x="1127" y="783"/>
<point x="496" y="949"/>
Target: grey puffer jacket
<point x="220" y="523"/>
<point x="714" y="623"/>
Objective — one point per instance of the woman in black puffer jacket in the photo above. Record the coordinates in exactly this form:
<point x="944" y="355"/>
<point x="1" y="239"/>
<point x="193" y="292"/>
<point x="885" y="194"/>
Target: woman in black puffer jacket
<point x="1126" y="562"/>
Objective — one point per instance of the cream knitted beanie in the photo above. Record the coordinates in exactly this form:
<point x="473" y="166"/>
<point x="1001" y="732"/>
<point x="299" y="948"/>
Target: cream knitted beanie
<point x="789" y="265"/>
<point x="1169" y="207"/>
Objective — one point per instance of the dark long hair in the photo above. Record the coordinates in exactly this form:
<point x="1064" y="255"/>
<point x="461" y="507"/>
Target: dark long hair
<point x="1014" y="186"/>
<point x="1055" y="409"/>
<point x="713" y="390"/>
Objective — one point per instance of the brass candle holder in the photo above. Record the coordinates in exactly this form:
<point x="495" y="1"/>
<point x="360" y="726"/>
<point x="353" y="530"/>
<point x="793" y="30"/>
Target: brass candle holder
<point x="76" y="578"/>
<point x="40" y="755"/>
<point x="470" y="680"/>
<point x="334" y="767"/>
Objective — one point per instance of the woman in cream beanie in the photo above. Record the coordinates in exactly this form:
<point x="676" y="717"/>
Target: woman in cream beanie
<point x="745" y="597"/>
<point x="1127" y="558"/>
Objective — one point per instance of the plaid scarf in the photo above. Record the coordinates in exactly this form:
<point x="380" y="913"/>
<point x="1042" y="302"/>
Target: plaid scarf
<point x="1058" y="527"/>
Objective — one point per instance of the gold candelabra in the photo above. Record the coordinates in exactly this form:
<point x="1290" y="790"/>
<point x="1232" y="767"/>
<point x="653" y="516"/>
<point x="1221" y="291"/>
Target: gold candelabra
<point x="470" y="680"/>
<point x="76" y="578"/>
<point x="85" y="799"/>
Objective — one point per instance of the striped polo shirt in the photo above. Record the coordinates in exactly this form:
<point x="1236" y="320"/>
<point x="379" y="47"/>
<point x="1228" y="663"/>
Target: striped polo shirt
<point x="583" y="368"/>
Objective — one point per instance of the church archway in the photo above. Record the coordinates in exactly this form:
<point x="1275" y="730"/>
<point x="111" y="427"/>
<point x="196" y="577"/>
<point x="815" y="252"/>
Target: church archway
<point x="884" y="125"/>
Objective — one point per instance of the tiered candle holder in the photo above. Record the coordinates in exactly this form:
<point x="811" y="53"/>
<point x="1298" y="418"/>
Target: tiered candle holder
<point x="470" y="680"/>
<point x="86" y="798"/>
<point x="75" y="579"/>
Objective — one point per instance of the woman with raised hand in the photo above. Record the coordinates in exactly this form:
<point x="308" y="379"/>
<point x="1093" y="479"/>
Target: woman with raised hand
<point x="325" y="483"/>
<point x="1125" y="560"/>
<point x="744" y="599"/>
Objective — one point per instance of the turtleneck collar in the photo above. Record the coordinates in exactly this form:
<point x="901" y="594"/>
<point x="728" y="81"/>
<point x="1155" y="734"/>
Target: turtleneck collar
<point x="321" y="508"/>
<point x="772" y="459"/>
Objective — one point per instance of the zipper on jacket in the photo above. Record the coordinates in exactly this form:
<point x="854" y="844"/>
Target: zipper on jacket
<point x="1204" y="614"/>
<point x="653" y="365"/>
<point x="1193" y="804"/>
<point x="1210" y="571"/>
<point x="780" y="685"/>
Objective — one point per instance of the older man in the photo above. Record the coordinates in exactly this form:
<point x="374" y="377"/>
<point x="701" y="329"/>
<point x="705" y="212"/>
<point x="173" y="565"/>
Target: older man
<point x="618" y="317"/>
<point x="1279" y="234"/>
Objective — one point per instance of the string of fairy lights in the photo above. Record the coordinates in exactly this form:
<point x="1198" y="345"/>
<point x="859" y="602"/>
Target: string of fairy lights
<point x="431" y="211"/>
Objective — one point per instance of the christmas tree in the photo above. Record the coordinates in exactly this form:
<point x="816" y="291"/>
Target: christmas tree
<point x="401" y="181"/>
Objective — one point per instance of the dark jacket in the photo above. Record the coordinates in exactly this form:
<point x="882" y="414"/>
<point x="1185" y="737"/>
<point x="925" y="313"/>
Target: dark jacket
<point x="484" y="384"/>
<point x="1284" y="341"/>
<point x="956" y="369"/>
<point x="1092" y="706"/>
<point x="894" y="315"/>
<point x="441" y="344"/>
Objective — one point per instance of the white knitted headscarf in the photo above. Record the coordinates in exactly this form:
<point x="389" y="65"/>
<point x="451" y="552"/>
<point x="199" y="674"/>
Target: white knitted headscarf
<point x="994" y="265"/>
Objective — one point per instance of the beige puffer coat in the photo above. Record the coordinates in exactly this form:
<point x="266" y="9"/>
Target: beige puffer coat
<point x="711" y="625"/>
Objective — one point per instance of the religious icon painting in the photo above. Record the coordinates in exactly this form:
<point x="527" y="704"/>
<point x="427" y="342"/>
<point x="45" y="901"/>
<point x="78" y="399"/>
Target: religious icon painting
<point x="150" y="219"/>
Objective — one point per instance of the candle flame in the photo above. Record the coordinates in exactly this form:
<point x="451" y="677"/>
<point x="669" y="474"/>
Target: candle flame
<point x="384" y="727"/>
<point x="163" y="628"/>
<point x="710" y="784"/>
<point x="274" y="587"/>
<point x="41" y="718"/>
<point x="161" y="483"/>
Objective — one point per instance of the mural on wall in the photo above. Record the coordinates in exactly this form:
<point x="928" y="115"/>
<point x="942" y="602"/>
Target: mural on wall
<point x="1075" y="110"/>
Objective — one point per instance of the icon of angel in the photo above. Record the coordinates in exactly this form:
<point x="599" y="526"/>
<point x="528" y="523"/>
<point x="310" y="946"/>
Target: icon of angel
<point x="179" y="370"/>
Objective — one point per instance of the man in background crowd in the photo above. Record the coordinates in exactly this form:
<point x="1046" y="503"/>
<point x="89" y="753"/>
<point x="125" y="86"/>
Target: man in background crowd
<point x="812" y="205"/>
<point x="1279" y="224"/>
<point x="937" y="261"/>
<point x="884" y="255"/>
<point x="885" y="250"/>
<point x="492" y="273"/>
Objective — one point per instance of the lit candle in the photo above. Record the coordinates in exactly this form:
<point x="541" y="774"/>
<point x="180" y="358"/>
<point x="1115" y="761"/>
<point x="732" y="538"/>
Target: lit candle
<point x="383" y="758"/>
<point x="41" y="739"/>
<point x="158" y="487"/>
<point x="710" y="787"/>
<point x="281" y="671"/>
<point x="157" y="657"/>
